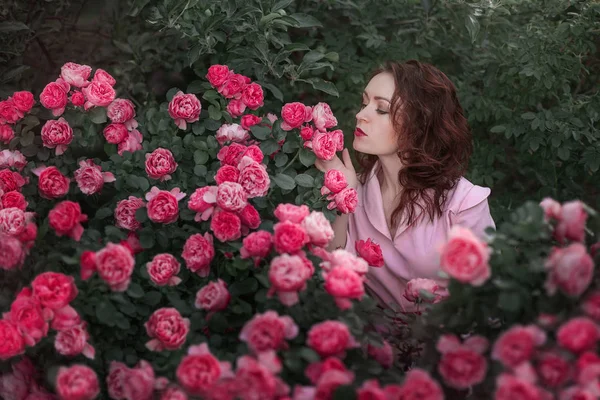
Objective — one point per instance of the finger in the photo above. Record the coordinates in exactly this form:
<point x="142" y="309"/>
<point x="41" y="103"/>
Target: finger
<point x="347" y="160"/>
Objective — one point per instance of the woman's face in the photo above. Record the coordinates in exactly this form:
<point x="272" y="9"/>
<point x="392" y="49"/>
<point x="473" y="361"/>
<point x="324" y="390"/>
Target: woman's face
<point x="375" y="133"/>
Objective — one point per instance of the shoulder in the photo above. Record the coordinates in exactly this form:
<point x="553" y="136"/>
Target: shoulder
<point x="466" y="195"/>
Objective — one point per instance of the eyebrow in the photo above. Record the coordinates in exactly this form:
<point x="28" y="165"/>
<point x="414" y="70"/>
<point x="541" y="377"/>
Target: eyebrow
<point x="376" y="97"/>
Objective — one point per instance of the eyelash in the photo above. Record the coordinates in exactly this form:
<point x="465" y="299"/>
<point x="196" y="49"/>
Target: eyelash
<point x="381" y="112"/>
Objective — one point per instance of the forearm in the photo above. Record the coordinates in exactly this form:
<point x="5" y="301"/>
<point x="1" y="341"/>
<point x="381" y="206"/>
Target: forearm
<point x="340" y="229"/>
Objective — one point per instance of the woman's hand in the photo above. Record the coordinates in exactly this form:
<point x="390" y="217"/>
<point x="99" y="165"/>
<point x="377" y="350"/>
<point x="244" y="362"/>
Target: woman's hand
<point x="344" y="167"/>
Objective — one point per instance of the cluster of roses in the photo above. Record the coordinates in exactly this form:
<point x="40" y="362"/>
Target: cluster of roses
<point x="316" y="137"/>
<point x="12" y="110"/>
<point x="74" y="85"/>
<point x="339" y="195"/>
<point x="17" y="228"/>
<point x="45" y="305"/>
<point x="24" y="382"/>
<point x="239" y="89"/>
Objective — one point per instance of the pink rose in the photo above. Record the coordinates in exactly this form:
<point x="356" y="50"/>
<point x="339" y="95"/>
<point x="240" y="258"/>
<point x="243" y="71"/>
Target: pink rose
<point x="13" y="199"/>
<point x="198" y="252"/>
<point x="552" y="208"/>
<point x="291" y="212"/>
<point x="307" y="132"/>
<point x="236" y="107"/>
<point x="54" y="98"/>
<point x="418" y="384"/>
<point x="233" y="86"/>
<point x="54" y="290"/>
<point x="139" y="382"/>
<point x="578" y="334"/>
<point x="318" y="228"/>
<point x="591" y="305"/>
<point x="13" y="221"/>
<point x="184" y="108"/>
<point x="125" y="213"/>
<point x="435" y="292"/>
<point x="288" y="276"/>
<point x="254" y="178"/>
<point x="98" y="94"/>
<point x="227" y="173"/>
<point x="253" y="96"/>
<point x="10" y="180"/>
<point x="167" y="328"/>
<point x="570" y="268"/>
<point x="27" y="313"/>
<point x="232" y="154"/>
<point x="370" y="390"/>
<point x="571" y="224"/>
<point x="90" y="178"/>
<point x="371" y="252"/>
<point x="160" y="164"/>
<point x="324" y="145"/>
<point x="510" y="387"/>
<point x="462" y="364"/>
<point x="78" y="382"/>
<point x="231" y="133"/>
<point x="213" y="297"/>
<point x="115" y="264"/>
<point x="102" y="76"/>
<point x="218" y="74"/>
<point x="334" y="182"/>
<point x="294" y="115"/>
<point x="517" y="345"/>
<point x="6" y="133"/>
<point x="203" y="201"/>
<point x="255" y="153"/>
<point x="76" y="74"/>
<point x="346" y="200"/>
<point x="65" y="318"/>
<point x="289" y="237"/>
<point x="163" y="270"/>
<point x="250" y="120"/>
<point x="12" y="252"/>
<point x="11" y="159"/>
<point x="66" y="218"/>
<point x="465" y="258"/>
<point x="323" y="117"/>
<point x="51" y="183"/>
<point x="11" y="340"/>
<point x="226" y="226"/>
<point x="257" y="245"/>
<point x="255" y="378"/>
<point x="315" y="370"/>
<point x="200" y="370"/>
<point x="132" y="144"/>
<point x="553" y="369"/>
<point x="163" y="206"/>
<point x="250" y="217"/>
<point x="383" y="354"/>
<point x="268" y="331"/>
<point x="577" y="393"/>
<point x="73" y="341"/>
<point x="344" y="284"/>
<point x="330" y="338"/>
<point x="9" y="113"/>
<point x="23" y="101"/>
<point x="115" y="380"/>
<point x="231" y="196"/>
<point x="87" y="261"/>
<point x="173" y="393"/>
<point x="77" y="99"/>
<point x="120" y="111"/>
<point x="115" y="133"/>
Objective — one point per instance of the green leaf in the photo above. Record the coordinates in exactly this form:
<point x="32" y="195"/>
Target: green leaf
<point x="323" y="86"/>
<point x="260" y="132"/>
<point x="307" y="157"/>
<point x="274" y="90"/>
<point x="12" y="26"/>
<point x="247" y="286"/>
<point x="305" y="180"/>
<point x="218" y="323"/>
<point x="152" y="298"/>
<point x="105" y="312"/>
<point x="143" y="183"/>
<point x="269" y="147"/>
<point x="528" y="115"/>
<point x="498" y="129"/>
<point x="214" y="112"/>
<point x="472" y="26"/>
<point x="281" y="159"/>
<point x="281" y="4"/>
<point x="509" y="301"/>
<point x="306" y="21"/>
<point x="195" y="86"/>
<point x="147" y="239"/>
<point x="98" y="115"/>
<point x="27" y="139"/>
<point x="103" y="213"/>
<point x="141" y="215"/>
<point x="313" y="56"/>
<point x="285" y="182"/>
<point x="200" y="170"/>
<point x="200" y="157"/>
<point x="135" y="290"/>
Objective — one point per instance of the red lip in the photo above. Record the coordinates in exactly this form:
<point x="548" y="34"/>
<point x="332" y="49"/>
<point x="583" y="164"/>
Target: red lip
<point x="359" y="132"/>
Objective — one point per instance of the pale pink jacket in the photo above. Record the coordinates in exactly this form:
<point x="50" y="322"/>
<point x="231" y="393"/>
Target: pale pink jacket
<point x="413" y="252"/>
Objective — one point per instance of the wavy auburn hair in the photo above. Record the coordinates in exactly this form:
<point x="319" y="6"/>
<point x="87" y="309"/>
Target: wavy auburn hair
<point x="434" y="139"/>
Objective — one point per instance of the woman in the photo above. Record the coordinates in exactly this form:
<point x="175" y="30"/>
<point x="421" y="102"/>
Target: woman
<point x="413" y="144"/>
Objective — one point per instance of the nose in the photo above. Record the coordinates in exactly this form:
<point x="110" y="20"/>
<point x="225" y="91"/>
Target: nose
<point x="361" y="115"/>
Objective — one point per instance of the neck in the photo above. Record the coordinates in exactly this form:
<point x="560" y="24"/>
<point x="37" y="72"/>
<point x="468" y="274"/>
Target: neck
<point x="390" y="167"/>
